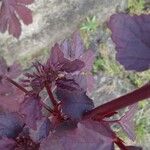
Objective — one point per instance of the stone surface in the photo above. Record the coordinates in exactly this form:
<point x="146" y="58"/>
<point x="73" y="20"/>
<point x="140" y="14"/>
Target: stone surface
<point x="108" y="88"/>
<point x="53" y="20"/>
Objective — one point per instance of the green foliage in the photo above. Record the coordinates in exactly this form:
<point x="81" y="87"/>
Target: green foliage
<point x="142" y="120"/>
<point x="90" y="24"/>
<point x="141" y="128"/>
<point x="138" y="79"/>
<point x="107" y="65"/>
<point x="136" y="6"/>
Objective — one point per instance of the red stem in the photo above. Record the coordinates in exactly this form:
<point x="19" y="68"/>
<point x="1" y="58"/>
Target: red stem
<point x="48" y="88"/>
<point x="120" y="144"/>
<point x="16" y="84"/>
<point x="121" y="102"/>
<point x="46" y="107"/>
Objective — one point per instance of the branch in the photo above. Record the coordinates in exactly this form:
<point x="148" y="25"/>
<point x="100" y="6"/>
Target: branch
<point x="16" y="84"/>
<point x="48" y="88"/>
<point x="121" y="102"/>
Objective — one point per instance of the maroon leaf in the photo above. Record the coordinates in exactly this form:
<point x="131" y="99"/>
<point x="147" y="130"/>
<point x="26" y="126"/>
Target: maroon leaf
<point x="31" y="109"/>
<point x="127" y="122"/>
<point x="68" y="84"/>
<point x="88" y="135"/>
<point x="88" y="58"/>
<point x="80" y="80"/>
<point x="7" y="144"/>
<point x="43" y="128"/>
<point x="72" y="66"/>
<point x="131" y="35"/>
<point x="24" y="13"/>
<point x="9" y="19"/>
<point x="10" y="125"/>
<point x="77" y="46"/>
<point x="73" y="49"/>
<point x="57" y="57"/>
<point x="58" y="62"/>
<point x="10" y="96"/>
<point x="74" y="103"/>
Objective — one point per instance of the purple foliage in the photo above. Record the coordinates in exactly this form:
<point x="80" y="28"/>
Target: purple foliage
<point x="10" y="96"/>
<point x="30" y="108"/>
<point x="131" y="35"/>
<point x="65" y="118"/>
<point x="43" y="128"/>
<point x="88" y="135"/>
<point x="10" y="125"/>
<point x="10" y="13"/>
<point x="74" y="103"/>
<point x="7" y="144"/>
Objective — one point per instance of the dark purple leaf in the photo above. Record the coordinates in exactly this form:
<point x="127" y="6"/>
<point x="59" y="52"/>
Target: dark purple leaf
<point x="10" y="125"/>
<point x="77" y="46"/>
<point x="43" y="128"/>
<point x="80" y="80"/>
<point x="72" y="66"/>
<point x="88" y="58"/>
<point x="9" y="19"/>
<point x="87" y="136"/>
<point x="73" y="49"/>
<point x="56" y="57"/>
<point x="90" y="82"/>
<point x="58" y="62"/>
<point x="127" y="122"/>
<point x="24" y="142"/>
<point x="7" y="144"/>
<point x="74" y="103"/>
<point x="131" y="35"/>
<point x="31" y="109"/>
<point x="68" y="84"/>
<point x="10" y="97"/>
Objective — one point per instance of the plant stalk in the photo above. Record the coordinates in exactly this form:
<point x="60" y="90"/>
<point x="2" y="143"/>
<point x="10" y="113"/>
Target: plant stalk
<point x="121" y="102"/>
<point x="16" y="84"/>
<point x="48" y="88"/>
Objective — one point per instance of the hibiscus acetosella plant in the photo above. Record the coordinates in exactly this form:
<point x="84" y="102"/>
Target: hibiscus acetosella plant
<point x="49" y="109"/>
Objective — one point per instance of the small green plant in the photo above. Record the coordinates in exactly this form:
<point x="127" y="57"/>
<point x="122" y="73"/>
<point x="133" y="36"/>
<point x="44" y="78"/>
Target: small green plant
<point x="138" y="79"/>
<point x="142" y="121"/>
<point x="136" y="6"/>
<point x="90" y="24"/>
<point x="107" y="65"/>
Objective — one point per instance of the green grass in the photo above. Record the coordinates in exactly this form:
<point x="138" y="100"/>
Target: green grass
<point x="138" y="79"/>
<point x="142" y="120"/>
<point x="90" y="24"/>
<point x="136" y="6"/>
<point x="106" y="65"/>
